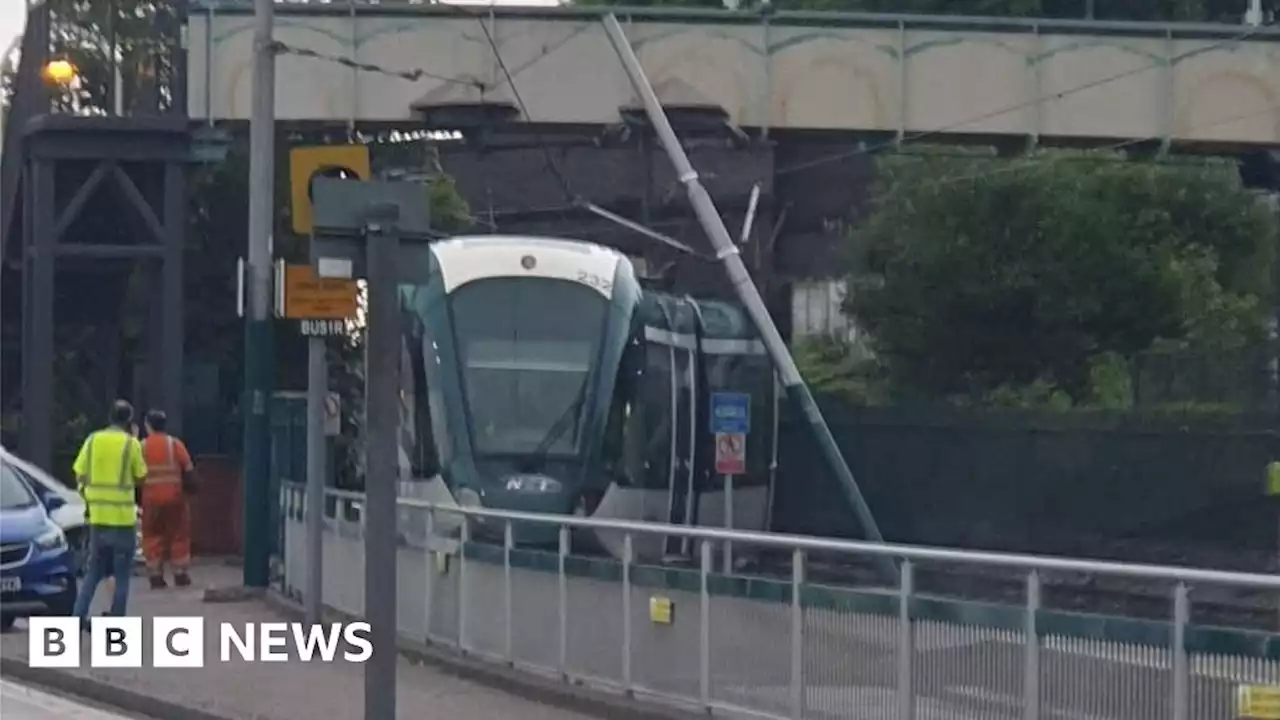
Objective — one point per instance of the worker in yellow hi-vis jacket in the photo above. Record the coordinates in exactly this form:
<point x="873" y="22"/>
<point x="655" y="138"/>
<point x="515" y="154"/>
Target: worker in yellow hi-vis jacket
<point x="109" y="470"/>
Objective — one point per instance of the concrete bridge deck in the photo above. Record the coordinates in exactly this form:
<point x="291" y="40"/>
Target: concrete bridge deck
<point x="902" y="75"/>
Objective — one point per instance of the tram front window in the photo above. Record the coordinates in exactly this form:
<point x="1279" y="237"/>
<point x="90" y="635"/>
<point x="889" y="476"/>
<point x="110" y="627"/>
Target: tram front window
<point x="526" y="347"/>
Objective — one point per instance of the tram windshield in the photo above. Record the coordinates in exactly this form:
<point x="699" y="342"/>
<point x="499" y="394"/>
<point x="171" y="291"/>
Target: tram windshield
<point x="526" y="347"/>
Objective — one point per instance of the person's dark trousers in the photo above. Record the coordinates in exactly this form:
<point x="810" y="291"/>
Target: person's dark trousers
<point x="111" y="553"/>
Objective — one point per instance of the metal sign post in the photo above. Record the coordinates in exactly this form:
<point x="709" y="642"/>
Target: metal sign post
<point x="360" y="226"/>
<point x="322" y="306"/>
<point x="730" y="423"/>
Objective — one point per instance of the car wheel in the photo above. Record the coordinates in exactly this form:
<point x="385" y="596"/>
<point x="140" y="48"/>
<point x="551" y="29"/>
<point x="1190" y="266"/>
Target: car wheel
<point x="6" y="622"/>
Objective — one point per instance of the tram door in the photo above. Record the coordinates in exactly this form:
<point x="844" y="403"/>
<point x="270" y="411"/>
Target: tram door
<point x="682" y="492"/>
<point x="669" y="396"/>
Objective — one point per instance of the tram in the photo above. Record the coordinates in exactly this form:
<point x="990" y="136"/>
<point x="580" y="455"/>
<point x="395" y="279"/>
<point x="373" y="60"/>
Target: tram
<point x="537" y="374"/>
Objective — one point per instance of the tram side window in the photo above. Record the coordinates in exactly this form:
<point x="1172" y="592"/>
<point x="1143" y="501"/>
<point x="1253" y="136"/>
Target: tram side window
<point x="649" y="424"/>
<point x="619" y="458"/>
<point x="417" y="444"/>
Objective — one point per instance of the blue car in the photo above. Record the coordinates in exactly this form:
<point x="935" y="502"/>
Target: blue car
<point x="37" y="573"/>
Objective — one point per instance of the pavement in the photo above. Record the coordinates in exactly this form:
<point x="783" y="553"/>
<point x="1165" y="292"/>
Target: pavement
<point x="235" y="690"/>
<point x="24" y="702"/>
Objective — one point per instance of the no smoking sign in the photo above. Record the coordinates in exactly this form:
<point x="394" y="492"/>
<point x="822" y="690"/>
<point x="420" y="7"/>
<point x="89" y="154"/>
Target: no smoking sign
<point x="731" y="453"/>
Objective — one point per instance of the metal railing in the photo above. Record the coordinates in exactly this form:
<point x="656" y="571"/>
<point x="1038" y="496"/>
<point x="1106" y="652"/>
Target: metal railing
<point x="786" y="647"/>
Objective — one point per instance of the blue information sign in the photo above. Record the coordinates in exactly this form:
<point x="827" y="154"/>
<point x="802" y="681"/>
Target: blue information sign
<point x="730" y="413"/>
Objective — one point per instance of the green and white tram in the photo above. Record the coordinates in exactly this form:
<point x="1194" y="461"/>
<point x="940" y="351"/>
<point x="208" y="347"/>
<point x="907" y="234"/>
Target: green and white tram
<point x="537" y="374"/>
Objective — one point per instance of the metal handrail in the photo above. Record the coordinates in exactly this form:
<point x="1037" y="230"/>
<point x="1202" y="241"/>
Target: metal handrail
<point x="789" y="541"/>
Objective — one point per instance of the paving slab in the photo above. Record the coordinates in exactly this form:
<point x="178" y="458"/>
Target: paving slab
<point x="238" y="690"/>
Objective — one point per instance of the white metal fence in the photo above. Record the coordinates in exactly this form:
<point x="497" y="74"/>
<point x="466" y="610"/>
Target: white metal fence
<point x="786" y="647"/>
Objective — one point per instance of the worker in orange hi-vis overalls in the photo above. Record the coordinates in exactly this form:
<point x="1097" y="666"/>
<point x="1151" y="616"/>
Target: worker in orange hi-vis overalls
<point x="166" y="516"/>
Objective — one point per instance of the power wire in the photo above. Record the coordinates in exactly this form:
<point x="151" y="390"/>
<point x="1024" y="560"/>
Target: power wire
<point x="575" y="200"/>
<point x="412" y="75"/>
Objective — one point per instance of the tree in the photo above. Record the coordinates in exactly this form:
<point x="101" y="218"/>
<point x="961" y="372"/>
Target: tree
<point x="977" y="276"/>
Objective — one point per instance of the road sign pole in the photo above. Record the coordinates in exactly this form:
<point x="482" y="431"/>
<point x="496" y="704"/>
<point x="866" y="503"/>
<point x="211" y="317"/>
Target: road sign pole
<point x="728" y="523"/>
<point x="713" y="224"/>
<point x="317" y="391"/>
<point x="382" y="462"/>
<point x="362" y="223"/>
<point x="258" y="502"/>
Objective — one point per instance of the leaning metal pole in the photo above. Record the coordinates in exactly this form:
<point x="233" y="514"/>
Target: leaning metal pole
<point x="258" y="503"/>
<point x="727" y="252"/>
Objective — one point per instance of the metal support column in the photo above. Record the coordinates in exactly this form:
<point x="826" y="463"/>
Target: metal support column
<point x="257" y="327"/>
<point x="748" y="294"/>
<point x="359" y="227"/>
<point x="317" y="388"/>
<point x="172" y="332"/>
<point x="39" y="262"/>
<point x="383" y="413"/>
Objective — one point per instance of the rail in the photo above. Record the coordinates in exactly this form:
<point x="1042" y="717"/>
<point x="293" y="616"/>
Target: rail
<point x="790" y="648"/>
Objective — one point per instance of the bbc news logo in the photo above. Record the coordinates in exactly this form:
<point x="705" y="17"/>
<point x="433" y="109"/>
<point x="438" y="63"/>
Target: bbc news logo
<point x="179" y="642"/>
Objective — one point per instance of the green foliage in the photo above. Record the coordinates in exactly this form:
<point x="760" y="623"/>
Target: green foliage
<point x="833" y="366"/>
<point x="1032" y="282"/>
<point x="450" y="212"/>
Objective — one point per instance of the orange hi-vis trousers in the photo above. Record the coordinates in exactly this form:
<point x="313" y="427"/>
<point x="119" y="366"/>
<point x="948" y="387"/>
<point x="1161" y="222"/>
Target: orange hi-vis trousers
<point x="166" y="532"/>
<point x="166" y="516"/>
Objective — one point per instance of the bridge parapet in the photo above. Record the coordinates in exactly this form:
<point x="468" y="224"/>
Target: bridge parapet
<point x="1044" y="80"/>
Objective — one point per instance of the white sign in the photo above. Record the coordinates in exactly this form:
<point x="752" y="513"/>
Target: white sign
<point x="334" y="268"/>
<point x="178" y="642"/>
<point x="322" y="328"/>
<point x="731" y="453"/>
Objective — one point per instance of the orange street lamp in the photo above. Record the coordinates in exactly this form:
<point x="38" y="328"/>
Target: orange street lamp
<point x="59" y="72"/>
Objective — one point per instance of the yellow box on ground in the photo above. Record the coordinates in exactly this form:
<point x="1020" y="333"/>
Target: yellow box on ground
<point x="1258" y="702"/>
<point x="660" y="610"/>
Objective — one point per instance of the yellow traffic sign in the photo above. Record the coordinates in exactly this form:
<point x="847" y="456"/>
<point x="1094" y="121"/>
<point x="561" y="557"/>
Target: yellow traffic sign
<point x="1273" y="478"/>
<point x="308" y="297"/>
<point x="1258" y="702"/>
<point x="306" y="163"/>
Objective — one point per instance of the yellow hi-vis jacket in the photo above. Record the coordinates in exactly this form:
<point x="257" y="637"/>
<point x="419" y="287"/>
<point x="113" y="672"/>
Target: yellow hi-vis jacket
<point x="108" y="468"/>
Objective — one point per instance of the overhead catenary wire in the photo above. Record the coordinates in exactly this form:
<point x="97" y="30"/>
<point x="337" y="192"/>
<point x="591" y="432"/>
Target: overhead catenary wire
<point x="575" y="199"/>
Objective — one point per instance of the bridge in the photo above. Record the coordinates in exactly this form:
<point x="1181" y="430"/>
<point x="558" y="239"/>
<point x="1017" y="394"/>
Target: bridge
<point x="1061" y="81"/>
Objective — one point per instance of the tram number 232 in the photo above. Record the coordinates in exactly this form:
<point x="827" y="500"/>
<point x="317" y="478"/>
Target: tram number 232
<point x="598" y="282"/>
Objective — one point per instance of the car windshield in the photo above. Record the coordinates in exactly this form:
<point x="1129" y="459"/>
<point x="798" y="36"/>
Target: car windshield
<point x="527" y="346"/>
<point x="14" y="493"/>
